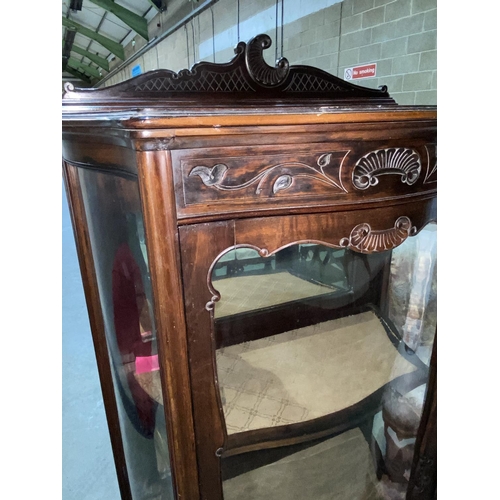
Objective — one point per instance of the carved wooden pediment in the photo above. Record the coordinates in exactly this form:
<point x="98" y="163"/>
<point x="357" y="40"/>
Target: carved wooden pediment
<point x="247" y="75"/>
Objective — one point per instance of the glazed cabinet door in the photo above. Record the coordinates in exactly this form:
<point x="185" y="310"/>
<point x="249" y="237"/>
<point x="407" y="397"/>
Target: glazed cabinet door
<point x="310" y="341"/>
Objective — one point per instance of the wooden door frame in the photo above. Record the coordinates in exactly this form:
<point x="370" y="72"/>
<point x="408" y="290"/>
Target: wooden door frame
<point x="202" y="244"/>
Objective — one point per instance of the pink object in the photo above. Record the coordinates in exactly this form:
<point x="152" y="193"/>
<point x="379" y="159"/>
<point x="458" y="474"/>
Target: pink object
<point x="145" y="364"/>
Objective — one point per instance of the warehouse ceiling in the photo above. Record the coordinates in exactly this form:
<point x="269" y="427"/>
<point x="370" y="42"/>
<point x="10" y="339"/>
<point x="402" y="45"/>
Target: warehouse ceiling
<point x="96" y="32"/>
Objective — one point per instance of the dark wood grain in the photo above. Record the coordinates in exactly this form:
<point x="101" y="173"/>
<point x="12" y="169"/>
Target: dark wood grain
<point x="270" y="234"/>
<point x="267" y="158"/>
<point x="200" y="245"/>
<point x="99" y="153"/>
<point x="163" y="251"/>
<point x="225" y="180"/>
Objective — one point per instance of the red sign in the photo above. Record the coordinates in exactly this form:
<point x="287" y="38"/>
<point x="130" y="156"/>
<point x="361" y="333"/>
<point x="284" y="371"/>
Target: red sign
<point x="366" y="71"/>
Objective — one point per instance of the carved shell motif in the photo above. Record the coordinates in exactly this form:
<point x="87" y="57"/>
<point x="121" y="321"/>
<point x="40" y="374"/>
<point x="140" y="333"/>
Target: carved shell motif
<point x="365" y="240"/>
<point x="400" y="161"/>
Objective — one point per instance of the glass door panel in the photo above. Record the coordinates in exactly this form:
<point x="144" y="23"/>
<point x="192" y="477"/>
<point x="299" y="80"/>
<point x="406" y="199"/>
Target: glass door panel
<point x="116" y="231"/>
<point x="322" y="358"/>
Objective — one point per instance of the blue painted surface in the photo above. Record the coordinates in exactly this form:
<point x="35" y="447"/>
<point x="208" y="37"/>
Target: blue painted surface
<point x="136" y="70"/>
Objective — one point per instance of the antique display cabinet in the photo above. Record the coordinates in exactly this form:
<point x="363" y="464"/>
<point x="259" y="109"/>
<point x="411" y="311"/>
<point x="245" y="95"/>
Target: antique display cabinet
<point x="258" y="252"/>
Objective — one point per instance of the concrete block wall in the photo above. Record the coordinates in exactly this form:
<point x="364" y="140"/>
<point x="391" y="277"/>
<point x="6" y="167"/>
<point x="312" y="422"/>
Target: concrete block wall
<point x="398" y="35"/>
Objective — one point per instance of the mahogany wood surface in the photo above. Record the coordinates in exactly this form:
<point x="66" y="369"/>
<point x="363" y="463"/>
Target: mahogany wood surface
<point x="270" y="234"/>
<point x="236" y="179"/>
<point x="95" y="151"/>
<point x="163" y="251"/>
<point x="245" y="155"/>
<point x="200" y="245"/>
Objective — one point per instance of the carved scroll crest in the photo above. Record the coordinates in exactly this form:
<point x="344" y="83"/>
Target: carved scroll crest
<point x="258" y="69"/>
<point x="366" y="240"/>
<point x="390" y="161"/>
<point x="247" y="74"/>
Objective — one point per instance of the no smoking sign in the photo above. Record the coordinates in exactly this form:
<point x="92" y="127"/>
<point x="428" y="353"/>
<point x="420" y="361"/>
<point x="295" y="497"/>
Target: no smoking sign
<point x="358" y="72"/>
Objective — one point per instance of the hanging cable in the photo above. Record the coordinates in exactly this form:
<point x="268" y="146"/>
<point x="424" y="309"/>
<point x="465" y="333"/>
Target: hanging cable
<point x="187" y="44"/>
<point x="194" y="46"/>
<point x="340" y="38"/>
<point x="276" y="35"/>
<point x="199" y="29"/>
<point x="238" y="24"/>
<point x="213" y="31"/>
<point x="282" y="23"/>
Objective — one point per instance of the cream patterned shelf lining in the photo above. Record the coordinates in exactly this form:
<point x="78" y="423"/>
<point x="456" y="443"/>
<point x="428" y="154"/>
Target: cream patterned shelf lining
<point x="247" y="293"/>
<point x="306" y="373"/>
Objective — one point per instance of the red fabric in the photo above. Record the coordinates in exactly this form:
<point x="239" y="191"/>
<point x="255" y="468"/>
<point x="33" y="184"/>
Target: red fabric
<point x="128" y="293"/>
<point x="128" y="300"/>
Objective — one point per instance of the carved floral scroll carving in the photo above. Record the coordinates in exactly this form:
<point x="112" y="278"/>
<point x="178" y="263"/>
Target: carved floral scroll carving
<point x="431" y="174"/>
<point x="390" y="161"/>
<point x="366" y="240"/>
<point x="287" y="174"/>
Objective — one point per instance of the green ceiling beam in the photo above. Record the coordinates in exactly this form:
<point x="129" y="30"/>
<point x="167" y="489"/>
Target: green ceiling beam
<point x="100" y="61"/>
<point x="77" y="73"/>
<point x="134" y="21"/>
<point x="114" y="47"/>
<point x="88" y="69"/>
<point x="159" y="5"/>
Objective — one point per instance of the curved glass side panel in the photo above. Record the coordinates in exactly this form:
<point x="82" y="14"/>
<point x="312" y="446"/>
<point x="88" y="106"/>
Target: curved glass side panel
<point x="115" y="225"/>
<point x="322" y="359"/>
